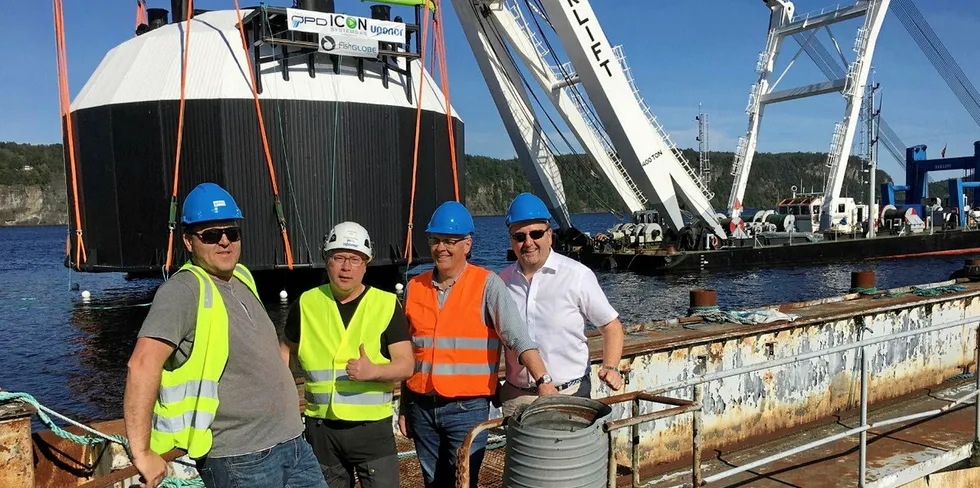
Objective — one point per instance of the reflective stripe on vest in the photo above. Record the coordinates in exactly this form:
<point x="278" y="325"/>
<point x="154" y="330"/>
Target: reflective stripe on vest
<point x="365" y="398"/>
<point x="187" y="400"/>
<point x="456" y="353"/>
<point x="325" y="346"/>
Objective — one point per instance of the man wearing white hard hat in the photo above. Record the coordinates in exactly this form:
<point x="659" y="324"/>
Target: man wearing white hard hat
<point x="353" y="344"/>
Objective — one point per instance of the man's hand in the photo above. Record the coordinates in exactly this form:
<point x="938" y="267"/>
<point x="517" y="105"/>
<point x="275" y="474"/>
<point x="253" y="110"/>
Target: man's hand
<point x="404" y="426"/>
<point x="362" y="369"/>
<point x="547" y="389"/>
<point x="152" y="468"/>
<point x="611" y="377"/>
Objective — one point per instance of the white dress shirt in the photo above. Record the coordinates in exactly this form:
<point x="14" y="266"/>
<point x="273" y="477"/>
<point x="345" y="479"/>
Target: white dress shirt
<point x="556" y="304"/>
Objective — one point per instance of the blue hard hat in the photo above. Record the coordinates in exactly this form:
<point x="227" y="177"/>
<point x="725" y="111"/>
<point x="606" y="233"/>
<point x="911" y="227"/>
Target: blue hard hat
<point x="208" y="202"/>
<point x="451" y="218"/>
<point x="527" y="207"/>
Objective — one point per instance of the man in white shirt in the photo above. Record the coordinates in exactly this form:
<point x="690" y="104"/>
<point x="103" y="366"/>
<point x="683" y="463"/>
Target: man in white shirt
<point x="556" y="296"/>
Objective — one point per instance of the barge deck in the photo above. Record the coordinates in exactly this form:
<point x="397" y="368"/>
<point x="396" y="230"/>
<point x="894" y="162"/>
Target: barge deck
<point x="756" y="388"/>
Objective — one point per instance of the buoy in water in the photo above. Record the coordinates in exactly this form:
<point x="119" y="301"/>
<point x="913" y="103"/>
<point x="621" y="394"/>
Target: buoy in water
<point x="283" y="295"/>
<point x="399" y="287"/>
<point x="86" y="295"/>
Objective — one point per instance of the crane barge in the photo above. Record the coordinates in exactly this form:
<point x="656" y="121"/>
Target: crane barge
<point x="596" y="96"/>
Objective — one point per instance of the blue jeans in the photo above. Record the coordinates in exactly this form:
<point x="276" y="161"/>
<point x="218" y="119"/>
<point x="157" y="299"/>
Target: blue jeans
<point x="438" y="428"/>
<point x="290" y="464"/>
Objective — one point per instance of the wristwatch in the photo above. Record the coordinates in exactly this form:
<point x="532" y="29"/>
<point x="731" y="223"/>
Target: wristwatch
<point x="611" y="368"/>
<point x="545" y="378"/>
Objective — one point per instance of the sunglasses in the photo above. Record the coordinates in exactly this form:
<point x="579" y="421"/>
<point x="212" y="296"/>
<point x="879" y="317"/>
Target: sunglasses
<point x="522" y="236"/>
<point x="213" y="236"/>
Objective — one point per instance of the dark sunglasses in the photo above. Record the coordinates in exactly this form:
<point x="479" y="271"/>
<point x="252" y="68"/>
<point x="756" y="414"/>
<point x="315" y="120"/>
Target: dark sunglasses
<point x="521" y="236"/>
<point x="213" y="236"/>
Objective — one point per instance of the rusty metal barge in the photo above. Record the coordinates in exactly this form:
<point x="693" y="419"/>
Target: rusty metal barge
<point x="867" y="388"/>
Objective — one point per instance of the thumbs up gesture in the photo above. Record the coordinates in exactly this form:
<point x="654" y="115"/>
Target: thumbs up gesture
<point x="362" y="369"/>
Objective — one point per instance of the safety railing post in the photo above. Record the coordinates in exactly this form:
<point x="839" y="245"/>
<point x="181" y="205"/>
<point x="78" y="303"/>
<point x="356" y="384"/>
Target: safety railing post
<point x="635" y="455"/>
<point x="611" y="482"/>
<point x="696" y="426"/>
<point x="975" y="458"/>
<point x="862" y="467"/>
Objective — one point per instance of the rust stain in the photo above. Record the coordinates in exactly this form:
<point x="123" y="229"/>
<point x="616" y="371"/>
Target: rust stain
<point x="715" y="351"/>
<point x="16" y="468"/>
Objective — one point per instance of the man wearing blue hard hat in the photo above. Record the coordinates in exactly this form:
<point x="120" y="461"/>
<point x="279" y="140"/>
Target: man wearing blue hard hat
<point x="458" y="315"/>
<point x="206" y="375"/>
<point x="555" y="296"/>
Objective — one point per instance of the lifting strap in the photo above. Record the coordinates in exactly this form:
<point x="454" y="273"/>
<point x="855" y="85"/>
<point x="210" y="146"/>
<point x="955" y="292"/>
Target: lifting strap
<point x="418" y="121"/>
<point x="180" y="132"/>
<point x="140" y="15"/>
<point x="444" y="77"/>
<point x="265" y="144"/>
<point x="64" y="100"/>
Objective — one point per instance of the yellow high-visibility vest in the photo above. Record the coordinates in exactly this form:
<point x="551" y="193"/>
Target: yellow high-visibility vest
<point x="325" y="346"/>
<point x="188" y="397"/>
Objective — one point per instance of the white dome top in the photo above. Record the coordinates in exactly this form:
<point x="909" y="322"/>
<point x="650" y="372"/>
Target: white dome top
<point x="148" y="67"/>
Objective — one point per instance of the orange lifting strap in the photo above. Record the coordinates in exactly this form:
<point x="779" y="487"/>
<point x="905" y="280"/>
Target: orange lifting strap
<point x="180" y="133"/>
<point x="140" y="15"/>
<point x="418" y="122"/>
<point x="444" y="76"/>
<point x="64" y="100"/>
<point x="265" y="144"/>
<point x="439" y="49"/>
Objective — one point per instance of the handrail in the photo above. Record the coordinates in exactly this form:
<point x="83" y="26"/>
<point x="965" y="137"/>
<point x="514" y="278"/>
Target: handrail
<point x="695" y="406"/>
<point x="865" y="426"/>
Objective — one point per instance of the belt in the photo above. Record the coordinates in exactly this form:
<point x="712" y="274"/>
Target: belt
<point x="433" y="398"/>
<point x="563" y="386"/>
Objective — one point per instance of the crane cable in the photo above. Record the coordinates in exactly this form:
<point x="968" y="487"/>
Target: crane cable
<point x="407" y="255"/>
<point x="440" y="42"/>
<point x="180" y="132"/>
<point x="65" y="101"/>
<point x="265" y="143"/>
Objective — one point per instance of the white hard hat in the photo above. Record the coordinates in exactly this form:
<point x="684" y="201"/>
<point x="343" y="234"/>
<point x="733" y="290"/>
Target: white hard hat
<point x="349" y="236"/>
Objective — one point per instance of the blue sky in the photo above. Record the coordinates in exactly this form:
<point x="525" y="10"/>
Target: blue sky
<point x="681" y="54"/>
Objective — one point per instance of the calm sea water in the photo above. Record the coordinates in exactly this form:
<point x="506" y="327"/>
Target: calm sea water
<point x="72" y="355"/>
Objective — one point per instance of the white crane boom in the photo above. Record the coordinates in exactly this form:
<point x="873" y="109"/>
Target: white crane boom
<point x="510" y="20"/>
<point x="647" y="154"/>
<point x="516" y="111"/>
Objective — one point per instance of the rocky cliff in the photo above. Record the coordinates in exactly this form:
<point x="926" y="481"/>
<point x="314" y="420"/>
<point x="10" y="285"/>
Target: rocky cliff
<point x="33" y="204"/>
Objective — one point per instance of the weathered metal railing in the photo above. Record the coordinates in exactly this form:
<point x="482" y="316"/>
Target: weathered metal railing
<point x="681" y="406"/>
<point x="634" y="421"/>
<point x="861" y="344"/>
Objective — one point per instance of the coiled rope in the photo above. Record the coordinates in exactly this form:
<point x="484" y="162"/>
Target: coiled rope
<point x="96" y="437"/>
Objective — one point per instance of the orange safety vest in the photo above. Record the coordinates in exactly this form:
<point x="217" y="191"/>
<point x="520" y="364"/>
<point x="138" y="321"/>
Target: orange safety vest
<point x="456" y="353"/>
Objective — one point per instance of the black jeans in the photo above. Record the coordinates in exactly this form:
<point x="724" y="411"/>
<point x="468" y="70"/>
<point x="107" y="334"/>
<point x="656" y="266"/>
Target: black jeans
<point x="344" y="448"/>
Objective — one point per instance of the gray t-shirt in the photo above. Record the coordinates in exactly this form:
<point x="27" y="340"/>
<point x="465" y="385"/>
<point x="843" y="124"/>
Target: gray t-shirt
<point x="258" y="403"/>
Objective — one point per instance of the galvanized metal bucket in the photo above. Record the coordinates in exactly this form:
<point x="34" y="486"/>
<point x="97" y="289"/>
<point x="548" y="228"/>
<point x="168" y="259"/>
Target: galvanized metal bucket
<point x="557" y="441"/>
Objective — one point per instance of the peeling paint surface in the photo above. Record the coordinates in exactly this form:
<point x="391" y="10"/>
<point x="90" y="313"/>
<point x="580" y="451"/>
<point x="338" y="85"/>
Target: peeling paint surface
<point x="765" y="403"/>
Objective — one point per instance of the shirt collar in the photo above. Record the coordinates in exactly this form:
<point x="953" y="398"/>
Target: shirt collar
<point x="450" y="283"/>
